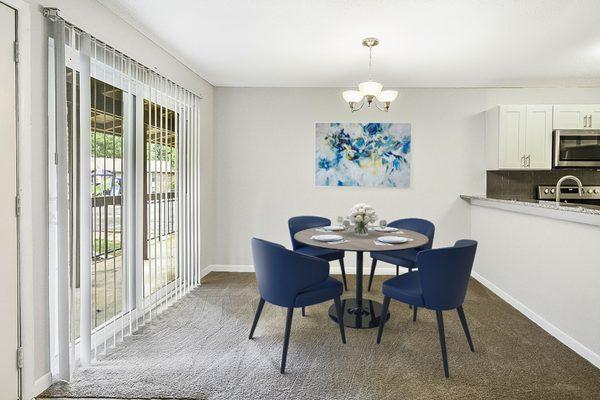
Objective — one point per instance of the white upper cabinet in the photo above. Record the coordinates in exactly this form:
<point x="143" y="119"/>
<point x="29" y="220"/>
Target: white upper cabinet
<point x="519" y="137"/>
<point x="576" y="116"/>
<point x="512" y="136"/>
<point x="538" y="137"/>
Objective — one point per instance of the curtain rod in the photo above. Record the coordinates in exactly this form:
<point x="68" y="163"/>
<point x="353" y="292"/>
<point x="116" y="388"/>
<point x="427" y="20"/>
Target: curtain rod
<point x="52" y="14"/>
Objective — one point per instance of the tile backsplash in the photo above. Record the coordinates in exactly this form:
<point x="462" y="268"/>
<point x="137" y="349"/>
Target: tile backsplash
<point x="507" y="184"/>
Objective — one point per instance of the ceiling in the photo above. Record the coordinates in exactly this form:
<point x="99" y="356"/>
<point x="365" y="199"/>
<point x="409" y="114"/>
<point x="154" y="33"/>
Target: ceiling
<point x="424" y="43"/>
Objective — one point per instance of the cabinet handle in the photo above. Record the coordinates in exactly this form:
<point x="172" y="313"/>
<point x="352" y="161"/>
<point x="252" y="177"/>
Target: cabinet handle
<point x="523" y="160"/>
<point x="590" y="121"/>
<point x="585" y="121"/>
<point x="528" y="160"/>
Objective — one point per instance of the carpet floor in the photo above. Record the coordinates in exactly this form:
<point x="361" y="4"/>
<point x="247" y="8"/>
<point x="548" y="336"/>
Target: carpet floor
<point x="199" y="349"/>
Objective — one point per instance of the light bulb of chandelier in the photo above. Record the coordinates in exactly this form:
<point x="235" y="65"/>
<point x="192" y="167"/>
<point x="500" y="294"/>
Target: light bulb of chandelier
<point x="387" y="96"/>
<point x="352" y="96"/>
<point x="370" y="88"/>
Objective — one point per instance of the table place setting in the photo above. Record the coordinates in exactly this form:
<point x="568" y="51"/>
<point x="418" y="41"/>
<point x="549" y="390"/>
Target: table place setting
<point x="391" y="240"/>
<point x="330" y="239"/>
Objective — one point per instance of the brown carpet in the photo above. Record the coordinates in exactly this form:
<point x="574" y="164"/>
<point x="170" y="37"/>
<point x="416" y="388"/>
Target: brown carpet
<point x="199" y="349"/>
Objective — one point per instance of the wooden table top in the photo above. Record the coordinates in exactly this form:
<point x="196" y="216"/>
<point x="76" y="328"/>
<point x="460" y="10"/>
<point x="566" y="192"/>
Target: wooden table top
<point x="362" y="243"/>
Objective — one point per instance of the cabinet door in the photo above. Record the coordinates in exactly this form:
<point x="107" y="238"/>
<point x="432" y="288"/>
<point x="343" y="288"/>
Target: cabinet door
<point x="538" y="137"/>
<point x="594" y="117"/>
<point x="511" y="140"/>
<point x="569" y="116"/>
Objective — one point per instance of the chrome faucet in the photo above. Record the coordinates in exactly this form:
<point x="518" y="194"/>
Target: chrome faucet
<point x="566" y="178"/>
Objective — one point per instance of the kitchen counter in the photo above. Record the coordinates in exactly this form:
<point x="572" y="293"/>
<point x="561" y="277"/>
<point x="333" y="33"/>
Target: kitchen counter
<point x="573" y="207"/>
<point x="582" y="213"/>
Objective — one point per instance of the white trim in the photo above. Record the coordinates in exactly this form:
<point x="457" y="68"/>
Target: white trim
<point x="26" y="274"/>
<point x="382" y="269"/>
<point x="41" y="384"/>
<point x="541" y="322"/>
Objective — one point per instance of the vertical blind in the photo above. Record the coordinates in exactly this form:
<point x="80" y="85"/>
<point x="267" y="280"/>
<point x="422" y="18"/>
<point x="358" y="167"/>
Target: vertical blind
<point x="125" y="193"/>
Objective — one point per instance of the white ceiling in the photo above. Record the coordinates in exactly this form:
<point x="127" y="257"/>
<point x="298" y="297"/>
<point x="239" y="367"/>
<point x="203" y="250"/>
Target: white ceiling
<point x="424" y="43"/>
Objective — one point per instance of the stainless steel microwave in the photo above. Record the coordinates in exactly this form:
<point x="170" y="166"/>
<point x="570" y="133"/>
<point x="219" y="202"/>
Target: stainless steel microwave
<point x="576" y="148"/>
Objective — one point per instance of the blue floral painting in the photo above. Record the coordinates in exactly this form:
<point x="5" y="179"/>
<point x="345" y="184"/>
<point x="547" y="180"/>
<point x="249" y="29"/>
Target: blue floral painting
<point x="368" y="155"/>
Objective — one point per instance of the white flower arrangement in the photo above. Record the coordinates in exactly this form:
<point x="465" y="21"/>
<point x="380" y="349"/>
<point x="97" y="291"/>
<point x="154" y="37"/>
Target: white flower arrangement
<point x="362" y="214"/>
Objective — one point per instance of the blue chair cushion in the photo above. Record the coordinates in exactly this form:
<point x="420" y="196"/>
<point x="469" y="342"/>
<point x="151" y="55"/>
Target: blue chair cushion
<point x="319" y="293"/>
<point x="319" y="252"/>
<point x="405" y="288"/>
<point x="406" y="258"/>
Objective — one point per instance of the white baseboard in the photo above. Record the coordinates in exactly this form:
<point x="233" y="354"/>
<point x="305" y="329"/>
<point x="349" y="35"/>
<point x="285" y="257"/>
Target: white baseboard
<point x="567" y="340"/>
<point x="382" y="269"/>
<point x="42" y="384"/>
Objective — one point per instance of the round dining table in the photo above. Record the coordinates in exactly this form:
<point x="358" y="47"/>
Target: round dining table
<point x="360" y="312"/>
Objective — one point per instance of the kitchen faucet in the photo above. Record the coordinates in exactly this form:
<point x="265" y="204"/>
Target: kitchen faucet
<point x="566" y="178"/>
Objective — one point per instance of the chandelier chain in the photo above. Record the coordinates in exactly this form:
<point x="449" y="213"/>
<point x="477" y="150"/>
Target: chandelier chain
<point x="370" y="62"/>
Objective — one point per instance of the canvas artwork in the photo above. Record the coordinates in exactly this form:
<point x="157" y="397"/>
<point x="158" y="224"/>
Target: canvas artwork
<point x="369" y="155"/>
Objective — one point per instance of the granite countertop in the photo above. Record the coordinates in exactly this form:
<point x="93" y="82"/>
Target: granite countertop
<point x="572" y="207"/>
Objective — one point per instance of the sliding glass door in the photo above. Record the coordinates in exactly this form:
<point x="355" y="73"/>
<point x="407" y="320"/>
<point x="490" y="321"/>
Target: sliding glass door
<point x="124" y="170"/>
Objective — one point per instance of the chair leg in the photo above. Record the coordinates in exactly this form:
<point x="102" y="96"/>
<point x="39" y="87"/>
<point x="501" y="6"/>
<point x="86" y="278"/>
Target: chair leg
<point x="373" y="265"/>
<point x="463" y="321"/>
<point x="304" y="311"/>
<point x="340" y="318"/>
<point x="261" y="304"/>
<point x="397" y="270"/>
<point x="286" y="338"/>
<point x="415" y="308"/>
<point x="440" y="321"/>
<point x="343" y="273"/>
<point x="384" y="311"/>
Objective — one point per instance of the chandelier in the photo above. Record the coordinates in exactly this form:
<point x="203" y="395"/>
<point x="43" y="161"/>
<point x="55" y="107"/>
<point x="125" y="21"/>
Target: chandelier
<point x="370" y="90"/>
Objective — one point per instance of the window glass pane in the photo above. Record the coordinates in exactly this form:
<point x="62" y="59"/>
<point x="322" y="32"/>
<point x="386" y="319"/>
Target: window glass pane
<point x="160" y="209"/>
<point x="106" y="164"/>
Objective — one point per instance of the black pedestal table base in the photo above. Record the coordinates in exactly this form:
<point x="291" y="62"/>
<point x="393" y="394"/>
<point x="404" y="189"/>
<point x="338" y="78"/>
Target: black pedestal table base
<point x="367" y="316"/>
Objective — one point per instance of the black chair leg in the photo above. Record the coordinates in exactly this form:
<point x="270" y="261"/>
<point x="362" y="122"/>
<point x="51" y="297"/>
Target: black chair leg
<point x="397" y="270"/>
<point x="340" y="318"/>
<point x="463" y="321"/>
<point x="261" y="304"/>
<point x="440" y="321"/>
<point x="384" y="311"/>
<point x="343" y="273"/>
<point x="415" y="308"/>
<point x="286" y="339"/>
<point x="304" y="311"/>
<point x="373" y="265"/>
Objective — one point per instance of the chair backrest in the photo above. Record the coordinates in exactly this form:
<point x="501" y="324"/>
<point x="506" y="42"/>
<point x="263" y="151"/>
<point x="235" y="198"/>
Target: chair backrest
<point x="422" y="226"/>
<point x="297" y="224"/>
<point x="445" y="273"/>
<point x="282" y="274"/>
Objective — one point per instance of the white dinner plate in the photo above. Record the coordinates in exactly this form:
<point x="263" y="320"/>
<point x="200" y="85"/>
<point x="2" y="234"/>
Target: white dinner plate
<point x="393" y="239"/>
<point x="386" y="229"/>
<point x="327" y="238"/>
<point x="334" y="228"/>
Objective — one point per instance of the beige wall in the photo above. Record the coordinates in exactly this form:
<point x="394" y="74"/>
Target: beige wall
<point x="108" y="27"/>
<point x="265" y="149"/>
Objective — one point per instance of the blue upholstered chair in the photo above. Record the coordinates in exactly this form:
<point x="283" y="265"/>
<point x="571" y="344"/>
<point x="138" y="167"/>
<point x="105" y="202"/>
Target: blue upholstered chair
<point x="297" y="224"/>
<point x="290" y="279"/>
<point x="406" y="258"/>
<point x="440" y="284"/>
